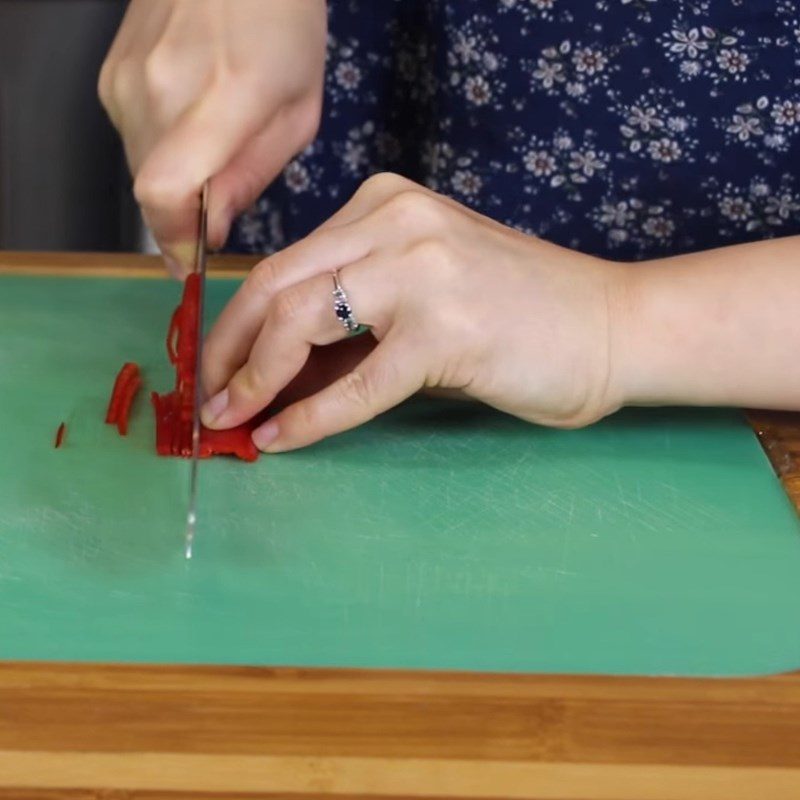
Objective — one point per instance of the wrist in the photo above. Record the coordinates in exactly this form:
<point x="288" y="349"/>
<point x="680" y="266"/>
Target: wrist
<point x="669" y="334"/>
<point x="623" y="322"/>
<point x="644" y="341"/>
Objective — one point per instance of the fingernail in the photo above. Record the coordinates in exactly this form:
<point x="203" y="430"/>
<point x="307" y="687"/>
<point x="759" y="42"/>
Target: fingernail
<point x="264" y="436"/>
<point x="214" y="408"/>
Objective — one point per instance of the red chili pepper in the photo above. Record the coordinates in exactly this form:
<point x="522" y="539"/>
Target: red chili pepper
<point x="126" y="386"/>
<point x="60" y="433"/>
<point x="174" y="411"/>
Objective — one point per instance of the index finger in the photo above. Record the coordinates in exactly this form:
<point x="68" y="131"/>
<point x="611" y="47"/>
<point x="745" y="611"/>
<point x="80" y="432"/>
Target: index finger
<point x="229" y="343"/>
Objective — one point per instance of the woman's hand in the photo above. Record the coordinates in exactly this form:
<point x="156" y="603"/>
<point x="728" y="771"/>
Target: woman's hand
<point x="201" y="88"/>
<point x="454" y="300"/>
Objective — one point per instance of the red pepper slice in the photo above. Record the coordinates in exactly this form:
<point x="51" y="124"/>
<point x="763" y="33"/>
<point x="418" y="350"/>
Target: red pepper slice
<point x="174" y="411"/>
<point x="126" y="386"/>
<point x="60" y="433"/>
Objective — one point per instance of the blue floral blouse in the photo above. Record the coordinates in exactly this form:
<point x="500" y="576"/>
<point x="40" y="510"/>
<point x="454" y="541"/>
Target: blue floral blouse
<point x="629" y="129"/>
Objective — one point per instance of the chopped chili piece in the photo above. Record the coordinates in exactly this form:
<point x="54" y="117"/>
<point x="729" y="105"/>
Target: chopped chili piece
<point x="126" y="386"/>
<point x="174" y="411"/>
<point x="60" y="433"/>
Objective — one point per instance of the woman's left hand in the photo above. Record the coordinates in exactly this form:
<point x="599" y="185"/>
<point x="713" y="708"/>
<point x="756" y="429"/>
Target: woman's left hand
<point x="454" y="300"/>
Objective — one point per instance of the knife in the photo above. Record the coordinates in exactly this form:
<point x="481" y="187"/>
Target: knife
<point x="200" y="269"/>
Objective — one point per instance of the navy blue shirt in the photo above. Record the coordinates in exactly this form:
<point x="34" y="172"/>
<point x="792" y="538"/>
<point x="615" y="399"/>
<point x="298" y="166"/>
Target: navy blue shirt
<point x="628" y="129"/>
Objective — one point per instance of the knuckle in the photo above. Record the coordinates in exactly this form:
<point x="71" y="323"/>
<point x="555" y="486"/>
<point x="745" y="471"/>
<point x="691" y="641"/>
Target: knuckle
<point x="286" y="306"/>
<point x="104" y="83"/>
<point x="433" y="254"/>
<point x="356" y="389"/>
<point x="158" y="70"/>
<point x="247" y="384"/>
<point x="307" y="415"/>
<point x="383" y="182"/>
<point x="122" y="79"/>
<point x="152" y="193"/>
<point x="262" y="279"/>
<point x="413" y="210"/>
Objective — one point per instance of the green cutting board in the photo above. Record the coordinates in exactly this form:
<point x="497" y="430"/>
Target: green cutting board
<point x="443" y="535"/>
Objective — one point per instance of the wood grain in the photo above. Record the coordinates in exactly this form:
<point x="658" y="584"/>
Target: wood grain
<point x="779" y="434"/>
<point x="131" y="732"/>
<point x="112" y="265"/>
<point x="366" y="733"/>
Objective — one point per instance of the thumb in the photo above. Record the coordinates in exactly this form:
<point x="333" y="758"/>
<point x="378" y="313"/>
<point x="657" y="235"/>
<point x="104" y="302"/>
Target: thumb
<point x="240" y="183"/>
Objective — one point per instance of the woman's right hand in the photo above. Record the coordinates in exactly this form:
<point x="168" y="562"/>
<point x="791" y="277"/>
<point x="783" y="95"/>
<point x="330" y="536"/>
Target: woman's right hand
<point x="212" y="89"/>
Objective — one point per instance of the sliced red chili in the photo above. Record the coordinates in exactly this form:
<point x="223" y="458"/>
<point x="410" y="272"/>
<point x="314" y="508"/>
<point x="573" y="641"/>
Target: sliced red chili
<point x="60" y="433"/>
<point x="126" y="386"/>
<point x="174" y="411"/>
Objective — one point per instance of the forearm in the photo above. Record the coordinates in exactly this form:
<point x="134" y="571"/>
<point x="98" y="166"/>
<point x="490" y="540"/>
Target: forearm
<point x="721" y="327"/>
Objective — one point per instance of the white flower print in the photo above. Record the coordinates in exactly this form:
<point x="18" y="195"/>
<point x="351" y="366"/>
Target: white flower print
<point x="786" y="112"/>
<point x="491" y="62"/>
<point x="531" y="10"/>
<point x="436" y="156"/>
<point x="646" y="119"/>
<point x="477" y="90"/>
<point x="677" y="124"/>
<point x="452" y="172"/>
<point x="689" y="43"/>
<point x="705" y="51"/>
<point x="561" y="163"/>
<point x="549" y="73"/>
<point x="780" y="207"/>
<point x="576" y="88"/>
<point x="584" y="164"/>
<point x="576" y="67"/>
<point x="755" y="207"/>
<point x="775" y="141"/>
<point x="734" y="61"/>
<point x="251" y="228"/>
<point x="260" y="228"/>
<point x="554" y="116"/>
<point x="348" y="75"/>
<point x="658" y="227"/>
<point x="766" y="125"/>
<point x="476" y="63"/>
<point x="355" y="156"/>
<point x="634" y="222"/>
<point x="616" y="215"/>
<point x="465" y="48"/>
<point x="562" y="141"/>
<point x="759" y="189"/>
<point x="539" y="162"/>
<point x="745" y="127"/>
<point x="664" y="149"/>
<point x="735" y="208"/>
<point x="652" y="128"/>
<point x="466" y="183"/>
<point x="296" y="177"/>
<point x="353" y="152"/>
<point x="690" y="68"/>
<point x="589" y="60"/>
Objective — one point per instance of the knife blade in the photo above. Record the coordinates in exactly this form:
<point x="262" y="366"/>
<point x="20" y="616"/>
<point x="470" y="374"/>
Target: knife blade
<point x="200" y="269"/>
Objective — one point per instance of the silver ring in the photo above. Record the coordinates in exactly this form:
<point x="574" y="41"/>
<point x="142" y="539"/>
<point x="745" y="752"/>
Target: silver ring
<point x="342" y="308"/>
